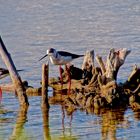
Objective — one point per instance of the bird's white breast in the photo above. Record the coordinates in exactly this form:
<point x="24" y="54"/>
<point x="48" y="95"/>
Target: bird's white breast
<point x="60" y="60"/>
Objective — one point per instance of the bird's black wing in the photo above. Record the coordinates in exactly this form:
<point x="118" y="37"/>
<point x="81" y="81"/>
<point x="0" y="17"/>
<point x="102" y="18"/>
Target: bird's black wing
<point x="63" y="53"/>
<point x="4" y="72"/>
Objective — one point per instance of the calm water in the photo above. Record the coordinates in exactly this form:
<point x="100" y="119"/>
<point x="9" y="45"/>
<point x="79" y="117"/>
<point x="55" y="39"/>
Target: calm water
<point x="28" y="28"/>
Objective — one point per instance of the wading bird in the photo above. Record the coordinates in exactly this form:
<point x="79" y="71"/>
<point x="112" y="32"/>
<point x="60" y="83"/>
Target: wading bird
<point x="3" y="73"/>
<point x="61" y="58"/>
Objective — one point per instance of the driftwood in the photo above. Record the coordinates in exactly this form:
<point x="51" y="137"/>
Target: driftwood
<point x="101" y="89"/>
<point x="101" y="64"/>
<point x="8" y="87"/>
<point x="115" y="60"/>
<point x="132" y="88"/>
<point x="87" y="66"/>
<point x="75" y="75"/>
<point x="23" y="100"/>
<point x="88" y="60"/>
<point x="30" y="91"/>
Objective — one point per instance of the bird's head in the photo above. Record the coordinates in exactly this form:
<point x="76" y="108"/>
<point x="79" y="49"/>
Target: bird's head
<point x="49" y="52"/>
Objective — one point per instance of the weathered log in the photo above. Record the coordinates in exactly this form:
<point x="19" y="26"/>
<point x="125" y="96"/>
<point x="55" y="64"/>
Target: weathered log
<point x="7" y="87"/>
<point x="134" y="74"/>
<point x="101" y="89"/>
<point x="101" y="64"/>
<point x="56" y="85"/>
<point x="107" y="81"/>
<point x="109" y="86"/>
<point x="115" y="60"/>
<point x="93" y="84"/>
<point x="23" y="100"/>
<point x="134" y="79"/>
<point x="74" y="73"/>
<point x="87" y="66"/>
<point x="132" y="85"/>
<point x="88" y="60"/>
<point x="30" y="91"/>
<point x="45" y="79"/>
<point x="134" y="97"/>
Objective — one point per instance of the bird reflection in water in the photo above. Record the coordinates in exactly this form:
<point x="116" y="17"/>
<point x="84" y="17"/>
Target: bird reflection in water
<point x="70" y="115"/>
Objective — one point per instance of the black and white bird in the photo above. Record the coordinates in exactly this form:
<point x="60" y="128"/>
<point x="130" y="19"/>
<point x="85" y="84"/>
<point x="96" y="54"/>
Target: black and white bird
<point x="61" y="58"/>
<point x="5" y="72"/>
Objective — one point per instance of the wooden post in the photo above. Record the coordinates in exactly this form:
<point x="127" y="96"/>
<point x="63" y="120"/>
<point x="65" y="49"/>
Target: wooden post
<point x="13" y="74"/>
<point x="45" y="102"/>
<point x="45" y="71"/>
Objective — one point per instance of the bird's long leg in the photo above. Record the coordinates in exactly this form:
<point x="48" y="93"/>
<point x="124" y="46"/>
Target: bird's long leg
<point x="63" y="119"/>
<point x="0" y="94"/>
<point x="69" y="79"/>
<point x="61" y="78"/>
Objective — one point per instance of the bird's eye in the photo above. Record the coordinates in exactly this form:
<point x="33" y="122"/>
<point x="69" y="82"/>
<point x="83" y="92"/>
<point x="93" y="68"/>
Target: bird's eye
<point x="51" y="50"/>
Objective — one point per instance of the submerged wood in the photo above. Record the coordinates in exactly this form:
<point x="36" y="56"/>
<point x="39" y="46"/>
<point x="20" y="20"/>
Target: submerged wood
<point x="30" y="91"/>
<point x="23" y="100"/>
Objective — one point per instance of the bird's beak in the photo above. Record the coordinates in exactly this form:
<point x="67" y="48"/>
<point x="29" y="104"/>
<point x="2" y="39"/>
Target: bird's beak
<point x="43" y="57"/>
